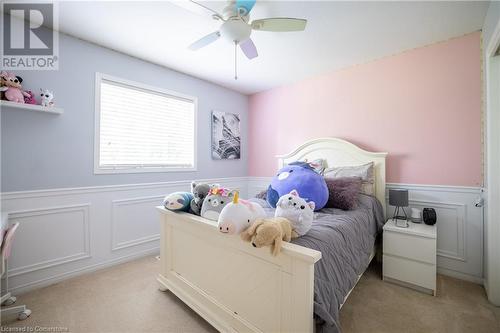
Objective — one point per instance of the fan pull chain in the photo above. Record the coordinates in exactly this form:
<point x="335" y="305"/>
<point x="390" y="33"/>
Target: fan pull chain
<point x="235" y="60"/>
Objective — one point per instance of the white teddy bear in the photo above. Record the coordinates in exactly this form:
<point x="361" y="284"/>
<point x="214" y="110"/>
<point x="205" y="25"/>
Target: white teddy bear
<point x="297" y="210"/>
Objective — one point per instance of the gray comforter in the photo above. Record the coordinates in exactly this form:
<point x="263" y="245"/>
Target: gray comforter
<point x="345" y="239"/>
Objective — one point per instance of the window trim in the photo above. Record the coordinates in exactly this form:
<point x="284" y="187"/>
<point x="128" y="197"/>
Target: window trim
<point x="99" y="77"/>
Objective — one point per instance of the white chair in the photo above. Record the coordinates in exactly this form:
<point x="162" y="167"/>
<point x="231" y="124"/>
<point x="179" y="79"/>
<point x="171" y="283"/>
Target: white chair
<point x="7" y="299"/>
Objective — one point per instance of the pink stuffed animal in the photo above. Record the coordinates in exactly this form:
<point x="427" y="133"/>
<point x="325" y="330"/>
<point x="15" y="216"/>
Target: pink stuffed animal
<point x="12" y="87"/>
<point x="30" y="99"/>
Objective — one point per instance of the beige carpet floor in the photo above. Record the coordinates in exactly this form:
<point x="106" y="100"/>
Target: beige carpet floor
<point x="125" y="298"/>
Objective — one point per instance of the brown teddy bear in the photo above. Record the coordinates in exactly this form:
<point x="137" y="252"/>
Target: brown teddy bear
<point x="269" y="231"/>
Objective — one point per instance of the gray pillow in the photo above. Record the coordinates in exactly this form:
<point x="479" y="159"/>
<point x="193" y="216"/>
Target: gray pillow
<point x="343" y="192"/>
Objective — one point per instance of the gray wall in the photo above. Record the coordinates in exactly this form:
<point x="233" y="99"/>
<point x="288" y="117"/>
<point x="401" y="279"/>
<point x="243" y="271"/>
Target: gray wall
<point x="42" y="151"/>
<point x="490" y="22"/>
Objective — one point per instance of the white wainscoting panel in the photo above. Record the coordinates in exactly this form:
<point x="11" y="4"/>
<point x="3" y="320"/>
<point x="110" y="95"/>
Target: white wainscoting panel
<point x="257" y="184"/>
<point x="133" y="222"/>
<point x="459" y="227"/>
<point x="69" y="231"/>
<point x="460" y="224"/>
<point x="66" y="232"/>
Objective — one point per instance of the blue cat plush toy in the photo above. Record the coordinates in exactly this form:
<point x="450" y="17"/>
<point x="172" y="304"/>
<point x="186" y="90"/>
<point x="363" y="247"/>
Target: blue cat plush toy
<point x="299" y="176"/>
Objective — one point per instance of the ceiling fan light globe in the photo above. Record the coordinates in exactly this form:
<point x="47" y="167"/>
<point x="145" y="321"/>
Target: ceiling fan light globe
<point x="235" y="30"/>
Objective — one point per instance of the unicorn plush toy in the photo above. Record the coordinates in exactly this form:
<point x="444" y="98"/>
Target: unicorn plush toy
<point x="239" y="215"/>
<point x="47" y="97"/>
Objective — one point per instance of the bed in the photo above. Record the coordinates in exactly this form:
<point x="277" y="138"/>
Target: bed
<point x="238" y="288"/>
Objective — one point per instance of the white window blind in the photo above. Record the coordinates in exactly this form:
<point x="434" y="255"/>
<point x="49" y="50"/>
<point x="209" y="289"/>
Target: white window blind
<point x="143" y="130"/>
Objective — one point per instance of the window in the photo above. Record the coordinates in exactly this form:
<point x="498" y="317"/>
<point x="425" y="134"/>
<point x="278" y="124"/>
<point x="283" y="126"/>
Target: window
<point x="142" y="129"/>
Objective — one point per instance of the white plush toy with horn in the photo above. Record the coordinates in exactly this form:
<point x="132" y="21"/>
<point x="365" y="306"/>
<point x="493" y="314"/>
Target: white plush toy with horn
<point x="239" y="215"/>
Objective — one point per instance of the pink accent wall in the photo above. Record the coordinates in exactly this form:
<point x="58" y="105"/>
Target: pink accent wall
<point x="422" y="106"/>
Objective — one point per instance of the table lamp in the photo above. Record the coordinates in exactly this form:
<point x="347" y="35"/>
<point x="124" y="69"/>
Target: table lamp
<point x="399" y="199"/>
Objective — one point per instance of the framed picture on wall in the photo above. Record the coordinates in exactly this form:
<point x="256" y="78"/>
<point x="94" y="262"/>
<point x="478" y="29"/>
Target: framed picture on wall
<point x="226" y="140"/>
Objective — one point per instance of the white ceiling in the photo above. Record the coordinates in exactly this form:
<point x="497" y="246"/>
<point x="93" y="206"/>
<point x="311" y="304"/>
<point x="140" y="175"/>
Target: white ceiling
<point x="338" y="34"/>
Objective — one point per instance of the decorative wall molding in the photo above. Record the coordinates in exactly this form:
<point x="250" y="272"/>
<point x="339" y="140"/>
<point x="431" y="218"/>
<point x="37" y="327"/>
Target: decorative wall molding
<point x="257" y="184"/>
<point x="18" y="216"/>
<point x="134" y="242"/>
<point x="106" y="223"/>
<point x="460" y="226"/>
<point x="460" y="211"/>
<point x="436" y="188"/>
<point x="457" y="215"/>
<point x="116" y="204"/>
<point x="104" y="219"/>
<point x="113" y="188"/>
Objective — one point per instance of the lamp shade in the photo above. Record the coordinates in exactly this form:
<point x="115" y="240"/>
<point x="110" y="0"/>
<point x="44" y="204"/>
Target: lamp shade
<point x="398" y="198"/>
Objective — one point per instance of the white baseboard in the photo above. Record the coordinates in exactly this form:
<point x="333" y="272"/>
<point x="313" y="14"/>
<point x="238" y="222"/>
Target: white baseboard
<point x="20" y="289"/>
<point x="461" y="276"/>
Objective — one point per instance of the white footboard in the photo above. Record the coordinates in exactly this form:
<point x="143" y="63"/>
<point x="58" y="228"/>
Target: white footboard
<point x="232" y="285"/>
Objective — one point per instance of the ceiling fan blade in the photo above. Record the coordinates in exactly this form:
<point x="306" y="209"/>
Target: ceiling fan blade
<point x="247" y="5"/>
<point x="248" y="47"/>
<point x="204" y="41"/>
<point x="279" y="24"/>
<point x="197" y="7"/>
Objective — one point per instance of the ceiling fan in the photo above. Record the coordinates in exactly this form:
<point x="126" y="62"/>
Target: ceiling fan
<point x="237" y="28"/>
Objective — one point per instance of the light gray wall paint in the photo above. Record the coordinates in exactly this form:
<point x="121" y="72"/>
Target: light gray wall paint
<point x="490" y="22"/>
<point x="42" y="151"/>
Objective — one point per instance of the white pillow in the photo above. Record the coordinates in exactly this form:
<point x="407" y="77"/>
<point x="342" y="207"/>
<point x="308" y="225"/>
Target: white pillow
<point x="364" y="171"/>
<point x="319" y="165"/>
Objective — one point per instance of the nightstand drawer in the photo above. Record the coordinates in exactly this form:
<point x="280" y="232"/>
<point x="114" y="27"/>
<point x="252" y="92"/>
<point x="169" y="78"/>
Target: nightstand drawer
<point x="413" y="272"/>
<point x="410" y="246"/>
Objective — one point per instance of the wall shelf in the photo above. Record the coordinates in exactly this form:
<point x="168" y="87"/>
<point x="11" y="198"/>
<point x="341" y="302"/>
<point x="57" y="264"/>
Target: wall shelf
<point x="31" y="107"/>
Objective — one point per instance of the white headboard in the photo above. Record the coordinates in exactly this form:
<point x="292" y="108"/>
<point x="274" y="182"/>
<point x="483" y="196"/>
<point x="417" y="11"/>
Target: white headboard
<point x="338" y="152"/>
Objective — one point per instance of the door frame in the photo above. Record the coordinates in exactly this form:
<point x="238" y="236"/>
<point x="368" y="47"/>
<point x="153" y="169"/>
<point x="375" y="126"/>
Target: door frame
<point x="492" y="167"/>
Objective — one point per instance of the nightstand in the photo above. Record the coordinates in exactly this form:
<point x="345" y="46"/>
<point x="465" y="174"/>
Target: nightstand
<point x="409" y="256"/>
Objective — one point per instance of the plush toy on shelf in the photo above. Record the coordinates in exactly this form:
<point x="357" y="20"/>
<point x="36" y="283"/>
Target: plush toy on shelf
<point x="30" y="99"/>
<point x="299" y="212"/>
<point x="3" y="84"/>
<point x="239" y="215"/>
<point x="215" y="201"/>
<point x="47" y="97"/>
<point x="270" y="231"/>
<point x="178" y="201"/>
<point x="12" y="88"/>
